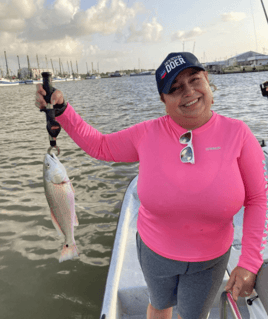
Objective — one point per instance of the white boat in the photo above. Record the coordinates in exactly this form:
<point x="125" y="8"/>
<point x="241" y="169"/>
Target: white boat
<point x="31" y="81"/>
<point x="126" y="294"/>
<point x="58" y="79"/>
<point x="93" y="77"/>
<point x="7" y="82"/>
<point x="69" y="78"/>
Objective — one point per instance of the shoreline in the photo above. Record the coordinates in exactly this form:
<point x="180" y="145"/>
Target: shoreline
<point x="236" y="71"/>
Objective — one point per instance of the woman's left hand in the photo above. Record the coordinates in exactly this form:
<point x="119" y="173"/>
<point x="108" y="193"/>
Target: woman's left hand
<point x="241" y="283"/>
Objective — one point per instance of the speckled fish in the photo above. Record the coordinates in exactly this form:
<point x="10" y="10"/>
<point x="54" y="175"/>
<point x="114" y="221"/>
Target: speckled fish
<point x="60" y="196"/>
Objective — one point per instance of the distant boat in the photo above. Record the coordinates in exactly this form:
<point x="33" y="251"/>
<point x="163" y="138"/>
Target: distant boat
<point x="93" y="77"/>
<point x="7" y="82"/>
<point x="116" y="74"/>
<point x="142" y="73"/>
<point x="70" y="78"/>
<point x="31" y="81"/>
<point x="58" y="79"/>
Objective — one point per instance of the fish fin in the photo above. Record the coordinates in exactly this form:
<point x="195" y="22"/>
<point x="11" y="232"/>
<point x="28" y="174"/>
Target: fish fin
<point x="68" y="253"/>
<point x="76" y="223"/>
<point x="56" y="225"/>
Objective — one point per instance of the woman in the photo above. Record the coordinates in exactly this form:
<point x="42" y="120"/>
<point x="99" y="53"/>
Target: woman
<point x="197" y="169"/>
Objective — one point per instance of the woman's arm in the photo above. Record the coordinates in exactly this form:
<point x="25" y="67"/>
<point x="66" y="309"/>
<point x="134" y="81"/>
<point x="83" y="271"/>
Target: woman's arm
<point x="121" y="146"/>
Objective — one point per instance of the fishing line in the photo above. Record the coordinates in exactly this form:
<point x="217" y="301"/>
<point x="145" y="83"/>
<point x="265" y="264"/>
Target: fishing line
<point x="264" y="10"/>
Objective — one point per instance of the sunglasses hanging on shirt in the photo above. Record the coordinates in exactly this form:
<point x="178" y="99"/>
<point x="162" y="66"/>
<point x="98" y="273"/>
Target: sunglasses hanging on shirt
<point x="187" y="153"/>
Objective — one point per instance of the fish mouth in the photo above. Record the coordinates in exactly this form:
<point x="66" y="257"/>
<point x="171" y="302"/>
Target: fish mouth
<point x="51" y="158"/>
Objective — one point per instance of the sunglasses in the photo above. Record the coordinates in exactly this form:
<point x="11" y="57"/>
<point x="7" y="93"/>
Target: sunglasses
<point x="187" y="153"/>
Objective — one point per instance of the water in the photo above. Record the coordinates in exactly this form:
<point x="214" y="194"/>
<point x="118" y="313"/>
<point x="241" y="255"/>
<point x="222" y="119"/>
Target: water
<point x="32" y="281"/>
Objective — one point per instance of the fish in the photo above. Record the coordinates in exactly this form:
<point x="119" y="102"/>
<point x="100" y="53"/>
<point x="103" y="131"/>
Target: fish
<point x="59" y="193"/>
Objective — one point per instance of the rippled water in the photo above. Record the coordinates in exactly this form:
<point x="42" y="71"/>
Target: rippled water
<point x="32" y="281"/>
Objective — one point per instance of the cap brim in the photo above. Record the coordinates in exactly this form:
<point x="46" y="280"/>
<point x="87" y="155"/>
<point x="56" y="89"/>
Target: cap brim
<point x="169" y="83"/>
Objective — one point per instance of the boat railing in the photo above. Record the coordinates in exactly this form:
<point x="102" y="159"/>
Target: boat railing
<point x="228" y="301"/>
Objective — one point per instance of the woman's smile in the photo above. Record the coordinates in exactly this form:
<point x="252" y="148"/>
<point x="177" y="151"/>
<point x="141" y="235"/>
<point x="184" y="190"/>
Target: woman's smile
<point x="191" y="103"/>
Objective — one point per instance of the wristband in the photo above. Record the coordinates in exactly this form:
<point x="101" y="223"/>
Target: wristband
<point x="60" y="108"/>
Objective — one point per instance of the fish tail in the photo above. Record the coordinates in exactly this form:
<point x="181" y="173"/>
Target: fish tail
<point x="68" y="252"/>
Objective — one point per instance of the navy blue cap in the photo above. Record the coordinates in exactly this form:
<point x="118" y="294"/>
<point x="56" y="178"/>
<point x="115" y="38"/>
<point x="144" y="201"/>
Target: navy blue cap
<point x="173" y="64"/>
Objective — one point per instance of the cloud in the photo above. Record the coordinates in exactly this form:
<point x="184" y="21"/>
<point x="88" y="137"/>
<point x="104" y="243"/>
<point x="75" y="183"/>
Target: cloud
<point x="18" y="9"/>
<point x="187" y="35"/>
<point x="30" y="27"/>
<point x="233" y="16"/>
<point x="65" y="19"/>
<point x="95" y="52"/>
<point x="149" y="32"/>
<point x="107" y="20"/>
<point x="12" y="25"/>
<point x="67" y="8"/>
<point x="196" y="32"/>
<point x="66" y="47"/>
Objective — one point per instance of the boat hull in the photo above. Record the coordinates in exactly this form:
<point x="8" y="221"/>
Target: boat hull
<point x="7" y="82"/>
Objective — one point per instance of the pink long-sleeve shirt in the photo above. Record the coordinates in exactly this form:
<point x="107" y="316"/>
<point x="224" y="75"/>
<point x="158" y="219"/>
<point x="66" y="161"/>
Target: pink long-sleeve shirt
<point x="187" y="210"/>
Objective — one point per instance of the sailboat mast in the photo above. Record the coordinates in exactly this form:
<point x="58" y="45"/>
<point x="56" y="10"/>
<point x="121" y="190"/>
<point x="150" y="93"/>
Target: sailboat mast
<point x="39" y="73"/>
<point x="19" y="72"/>
<point x="29" y="68"/>
<point x="72" y="67"/>
<point x="264" y="10"/>
<point x="52" y="66"/>
<point x="60" y="67"/>
<point x="46" y="62"/>
<point x="6" y="64"/>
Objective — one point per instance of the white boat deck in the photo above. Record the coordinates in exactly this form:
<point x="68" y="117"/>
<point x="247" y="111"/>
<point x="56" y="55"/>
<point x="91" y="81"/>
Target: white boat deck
<point x="126" y="294"/>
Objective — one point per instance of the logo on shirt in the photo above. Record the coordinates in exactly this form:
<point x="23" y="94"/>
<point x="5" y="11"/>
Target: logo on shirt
<point x="213" y="148"/>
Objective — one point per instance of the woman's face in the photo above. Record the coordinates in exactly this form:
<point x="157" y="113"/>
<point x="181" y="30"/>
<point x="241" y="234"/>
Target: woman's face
<point x="190" y="99"/>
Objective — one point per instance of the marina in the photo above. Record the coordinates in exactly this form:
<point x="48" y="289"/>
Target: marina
<point x="31" y="75"/>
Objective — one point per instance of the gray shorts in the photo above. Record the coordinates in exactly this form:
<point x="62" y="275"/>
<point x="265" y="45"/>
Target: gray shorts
<point x="192" y="286"/>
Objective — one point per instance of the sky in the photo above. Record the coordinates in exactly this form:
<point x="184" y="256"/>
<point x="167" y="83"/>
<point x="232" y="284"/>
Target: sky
<point x="115" y="35"/>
